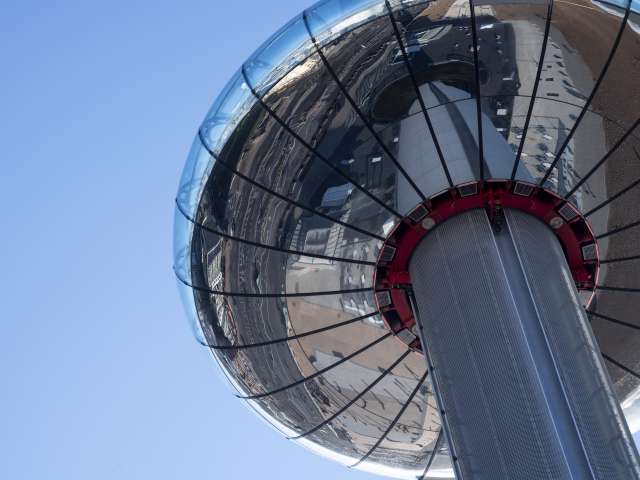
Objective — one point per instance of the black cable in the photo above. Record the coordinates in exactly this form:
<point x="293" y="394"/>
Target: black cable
<point x="612" y="198"/>
<point x="620" y="365"/>
<point x="615" y="147"/>
<point x="613" y="320"/>
<point x="319" y="372"/>
<point x="314" y="151"/>
<point x="620" y="259"/>
<point x="355" y="399"/>
<point x="476" y="64"/>
<point x="272" y="295"/>
<point x="358" y="112"/>
<point x="270" y="247"/>
<point x="617" y="230"/>
<point x="292" y="337"/>
<point x="282" y="197"/>
<point x="608" y="288"/>
<point x="591" y="95"/>
<point x="419" y="96"/>
<point x="534" y="93"/>
<point x="394" y="421"/>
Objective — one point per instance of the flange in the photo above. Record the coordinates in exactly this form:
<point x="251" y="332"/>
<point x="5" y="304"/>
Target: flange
<point x="392" y="279"/>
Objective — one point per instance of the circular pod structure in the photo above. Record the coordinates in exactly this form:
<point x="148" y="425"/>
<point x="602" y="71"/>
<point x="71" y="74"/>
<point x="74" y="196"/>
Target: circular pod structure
<point x="384" y="189"/>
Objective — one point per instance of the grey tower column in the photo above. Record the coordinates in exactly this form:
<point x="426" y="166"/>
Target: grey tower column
<point x="518" y="374"/>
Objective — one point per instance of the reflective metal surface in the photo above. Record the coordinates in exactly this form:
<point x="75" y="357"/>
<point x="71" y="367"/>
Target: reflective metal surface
<point x="335" y="129"/>
<point x="518" y="374"/>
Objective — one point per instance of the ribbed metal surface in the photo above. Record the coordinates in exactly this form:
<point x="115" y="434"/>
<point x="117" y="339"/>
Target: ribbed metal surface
<point x="518" y="405"/>
<point x="598" y="417"/>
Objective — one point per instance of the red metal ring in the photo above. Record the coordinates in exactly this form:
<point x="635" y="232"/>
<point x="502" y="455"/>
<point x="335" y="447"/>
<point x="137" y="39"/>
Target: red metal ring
<point x="393" y="282"/>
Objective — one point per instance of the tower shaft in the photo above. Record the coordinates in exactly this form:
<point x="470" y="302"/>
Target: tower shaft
<point x="518" y="375"/>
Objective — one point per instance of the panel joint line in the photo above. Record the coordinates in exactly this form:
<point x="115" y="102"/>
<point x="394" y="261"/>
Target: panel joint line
<point x="434" y="452"/>
<point x="606" y="157"/>
<point x="270" y="295"/>
<point x="291" y="337"/>
<point x="476" y="64"/>
<point x="620" y="365"/>
<point x="270" y="247"/>
<point x="394" y="422"/>
<point x="534" y="93"/>
<point x="313" y="150"/>
<point x="613" y="320"/>
<point x="353" y="400"/>
<point x="358" y="111"/>
<point x="280" y="196"/>
<point x="317" y="373"/>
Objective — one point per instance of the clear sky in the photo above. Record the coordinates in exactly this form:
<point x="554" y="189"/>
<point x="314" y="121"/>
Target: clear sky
<point x="100" y="376"/>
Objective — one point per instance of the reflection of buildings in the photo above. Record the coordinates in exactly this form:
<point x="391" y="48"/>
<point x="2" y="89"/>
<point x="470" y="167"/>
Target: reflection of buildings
<point x="214" y="262"/>
<point x="316" y="237"/>
<point x="443" y="50"/>
<point x="215" y="268"/>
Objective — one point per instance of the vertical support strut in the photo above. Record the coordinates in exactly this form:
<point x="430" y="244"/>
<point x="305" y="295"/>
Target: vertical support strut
<point x="512" y="357"/>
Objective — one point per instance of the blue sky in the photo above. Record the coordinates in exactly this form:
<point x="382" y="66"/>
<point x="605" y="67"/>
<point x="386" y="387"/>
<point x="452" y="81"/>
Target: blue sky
<point x="101" y="377"/>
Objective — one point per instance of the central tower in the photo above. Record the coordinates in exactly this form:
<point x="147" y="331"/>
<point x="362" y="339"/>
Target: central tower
<point x="516" y="370"/>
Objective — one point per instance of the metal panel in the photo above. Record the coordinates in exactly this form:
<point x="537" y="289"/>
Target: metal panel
<point x="521" y="385"/>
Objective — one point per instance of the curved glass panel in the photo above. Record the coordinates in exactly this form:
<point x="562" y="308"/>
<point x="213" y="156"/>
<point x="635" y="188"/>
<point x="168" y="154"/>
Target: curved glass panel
<point x="194" y="176"/>
<point x="510" y="45"/>
<point x="328" y="19"/>
<point x="456" y="127"/>
<point x="590" y="143"/>
<point x="370" y="78"/>
<point x="227" y="112"/>
<point x="232" y="205"/>
<point x="272" y="157"/>
<point x="617" y="96"/>
<point x="188" y="301"/>
<point x="573" y="65"/>
<point x="270" y="368"/>
<point x="441" y="467"/>
<point x="277" y="56"/>
<point x="411" y="441"/>
<point x="437" y="40"/>
<point x="550" y="124"/>
<point x="602" y="178"/>
<point x="318" y="398"/>
<point x="618" y="341"/>
<point x="220" y="264"/>
<point x="182" y="233"/>
<point x="182" y="266"/>
<point x="341" y="141"/>
<point x="357" y="431"/>
<point x="610" y="134"/>
<point x="236" y="321"/>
